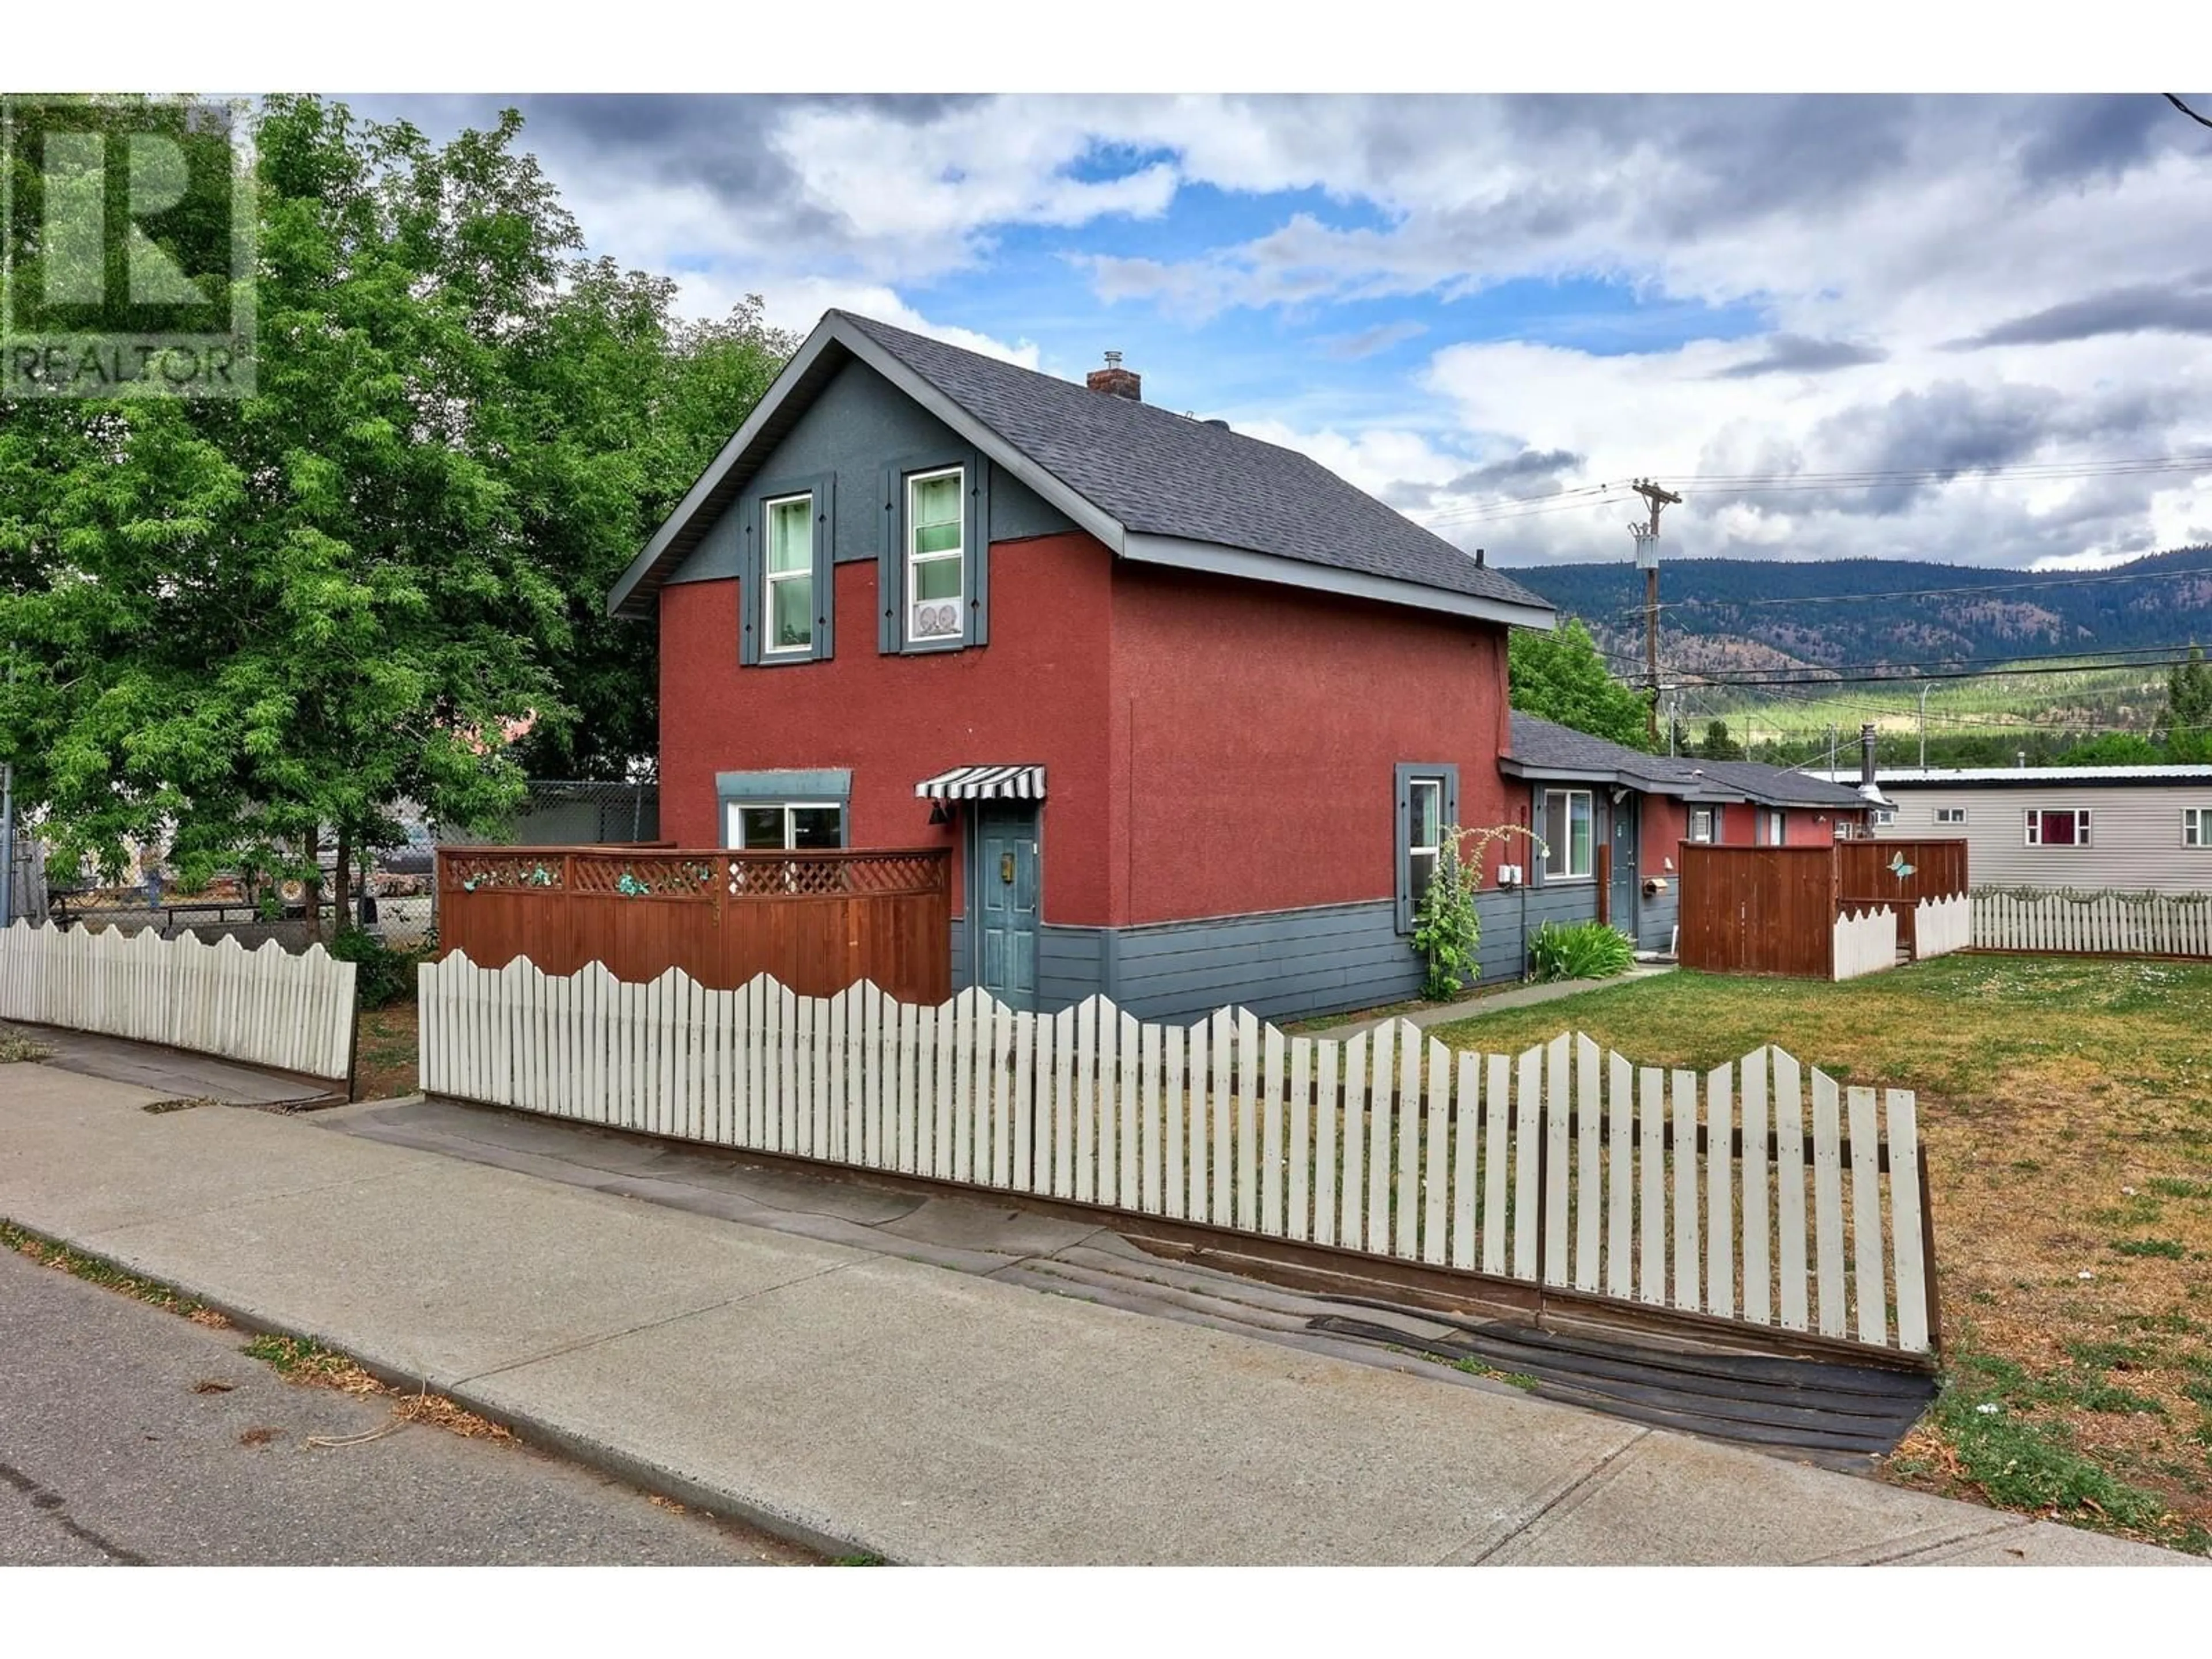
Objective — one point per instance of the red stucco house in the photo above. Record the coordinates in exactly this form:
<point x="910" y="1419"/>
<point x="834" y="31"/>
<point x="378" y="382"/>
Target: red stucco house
<point x="1187" y="706"/>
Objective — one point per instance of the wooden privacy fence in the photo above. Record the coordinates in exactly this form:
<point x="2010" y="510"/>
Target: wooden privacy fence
<point x="815" y="920"/>
<point x="1834" y="911"/>
<point x="1563" y="1165"/>
<point x="264" y="1006"/>
<point x="2103" y="924"/>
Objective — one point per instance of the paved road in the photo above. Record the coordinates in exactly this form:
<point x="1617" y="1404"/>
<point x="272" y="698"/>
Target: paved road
<point x="107" y="1455"/>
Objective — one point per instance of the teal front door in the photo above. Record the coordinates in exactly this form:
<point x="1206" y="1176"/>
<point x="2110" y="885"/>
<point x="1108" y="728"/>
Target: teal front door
<point x="1003" y="902"/>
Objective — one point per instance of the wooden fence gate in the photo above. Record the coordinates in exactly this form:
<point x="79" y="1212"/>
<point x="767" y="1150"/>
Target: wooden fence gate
<point x="1563" y="1166"/>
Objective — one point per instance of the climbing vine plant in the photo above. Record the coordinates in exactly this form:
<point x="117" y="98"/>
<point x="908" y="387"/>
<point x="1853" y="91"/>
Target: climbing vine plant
<point x="1447" y="928"/>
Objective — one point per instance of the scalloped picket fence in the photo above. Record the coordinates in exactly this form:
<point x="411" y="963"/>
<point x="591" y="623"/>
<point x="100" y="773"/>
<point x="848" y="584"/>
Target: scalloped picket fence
<point x="1564" y="1165"/>
<point x="264" y="1006"/>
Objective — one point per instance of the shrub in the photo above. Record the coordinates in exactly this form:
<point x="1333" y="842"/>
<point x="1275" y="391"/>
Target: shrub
<point x="1581" y="950"/>
<point x="382" y="975"/>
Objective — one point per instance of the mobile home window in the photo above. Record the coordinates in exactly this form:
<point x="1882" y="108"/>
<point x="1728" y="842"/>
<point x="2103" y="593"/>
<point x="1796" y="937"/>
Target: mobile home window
<point x="787" y="588"/>
<point x="935" y="505"/>
<point x="1701" y="824"/>
<point x="2196" y="826"/>
<point x="2059" y="826"/>
<point x="1950" y="815"/>
<point x="1566" y="834"/>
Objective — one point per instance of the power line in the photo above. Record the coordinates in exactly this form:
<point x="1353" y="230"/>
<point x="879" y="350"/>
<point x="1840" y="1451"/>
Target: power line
<point x="2140" y="656"/>
<point x="1974" y="588"/>
<point x="1746" y="483"/>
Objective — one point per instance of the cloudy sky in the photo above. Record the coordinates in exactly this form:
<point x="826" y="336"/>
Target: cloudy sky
<point x="1484" y="309"/>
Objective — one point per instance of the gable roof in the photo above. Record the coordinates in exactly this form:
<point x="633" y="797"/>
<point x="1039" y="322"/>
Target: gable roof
<point x="1152" y="485"/>
<point x="1545" y="749"/>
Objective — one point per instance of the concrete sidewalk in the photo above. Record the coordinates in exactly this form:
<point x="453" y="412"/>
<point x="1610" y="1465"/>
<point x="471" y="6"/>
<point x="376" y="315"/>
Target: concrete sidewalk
<point x="861" y="1402"/>
<point x="1491" y="1002"/>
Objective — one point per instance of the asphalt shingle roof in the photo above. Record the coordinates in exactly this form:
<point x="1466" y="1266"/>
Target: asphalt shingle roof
<point x="1541" y="742"/>
<point x="1162" y="473"/>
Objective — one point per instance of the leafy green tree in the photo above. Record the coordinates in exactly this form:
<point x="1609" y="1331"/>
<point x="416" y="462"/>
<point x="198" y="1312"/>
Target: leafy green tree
<point x="234" y="626"/>
<point x="2110" y="749"/>
<point x="2186" y="725"/>
<point x="1560" y="677"/>
<point x="1718" y="745"/>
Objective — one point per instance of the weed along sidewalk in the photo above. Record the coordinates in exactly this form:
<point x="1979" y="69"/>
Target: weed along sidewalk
<point x="865" y="1402"/>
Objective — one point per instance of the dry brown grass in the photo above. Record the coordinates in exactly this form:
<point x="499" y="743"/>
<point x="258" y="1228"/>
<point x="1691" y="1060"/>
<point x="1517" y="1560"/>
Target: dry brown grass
<point x="2066" y="1110"/>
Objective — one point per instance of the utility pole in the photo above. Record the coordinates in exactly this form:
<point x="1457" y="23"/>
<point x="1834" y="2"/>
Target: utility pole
<point x="1926" y="686"/>
<point x="1647" y="560"/>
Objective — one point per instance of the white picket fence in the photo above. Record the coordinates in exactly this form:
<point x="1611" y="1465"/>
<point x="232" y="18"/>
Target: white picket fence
<point x="2114" y="924"/>
<point x="1942" y="926"/>
<point x="1866" y="942"/>
<point x="1562" y="1164"/>
<point x="262" y="1006"/>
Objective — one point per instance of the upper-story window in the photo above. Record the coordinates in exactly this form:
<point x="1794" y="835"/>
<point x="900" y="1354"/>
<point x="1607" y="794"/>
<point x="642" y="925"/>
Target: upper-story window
<point x="936" y="554"/>
<point x="2196" y="826"/>
<point x="786" y="590"/>
<point x="2060" y="827"/>
<point x="787" y="583"/>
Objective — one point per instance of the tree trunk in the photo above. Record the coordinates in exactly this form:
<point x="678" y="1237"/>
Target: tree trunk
<point x="342" y="880"/>
<point x="311" y="887"/>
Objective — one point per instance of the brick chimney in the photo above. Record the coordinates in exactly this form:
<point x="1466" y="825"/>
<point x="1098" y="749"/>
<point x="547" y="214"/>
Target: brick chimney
<point x="1116" y="382"/>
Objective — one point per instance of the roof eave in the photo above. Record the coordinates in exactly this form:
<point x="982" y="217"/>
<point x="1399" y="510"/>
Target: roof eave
<point x="1217" y="558"/>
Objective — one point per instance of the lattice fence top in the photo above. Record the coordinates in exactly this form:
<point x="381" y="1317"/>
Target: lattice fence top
<point x="701" y="876"/>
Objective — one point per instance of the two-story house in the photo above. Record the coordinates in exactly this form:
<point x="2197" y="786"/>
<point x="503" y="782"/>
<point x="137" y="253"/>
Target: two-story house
<point x="1190" y="708"/>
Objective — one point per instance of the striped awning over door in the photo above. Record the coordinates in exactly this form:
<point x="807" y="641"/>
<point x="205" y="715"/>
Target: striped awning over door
<point x="984" y="783"/>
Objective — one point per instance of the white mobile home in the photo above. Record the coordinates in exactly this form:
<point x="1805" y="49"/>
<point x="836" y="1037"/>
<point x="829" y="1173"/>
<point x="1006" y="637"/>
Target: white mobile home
<point x="2121" y="828"/>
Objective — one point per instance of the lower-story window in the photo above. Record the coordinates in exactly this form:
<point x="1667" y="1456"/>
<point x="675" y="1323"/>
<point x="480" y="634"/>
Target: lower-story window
<point x="1701" y="824"/>
<point x="785" y="826"/>
<point x="1567" y="839"/>
<point x="2196" y="826"/>
<point x="1774" y="827"/>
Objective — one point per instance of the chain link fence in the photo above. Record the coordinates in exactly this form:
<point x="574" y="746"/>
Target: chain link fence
<point x="557" y="812"/>
<point x="394" y="899"/>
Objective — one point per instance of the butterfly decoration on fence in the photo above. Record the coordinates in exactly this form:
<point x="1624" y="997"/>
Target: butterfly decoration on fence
<point x="1899" y="867"/>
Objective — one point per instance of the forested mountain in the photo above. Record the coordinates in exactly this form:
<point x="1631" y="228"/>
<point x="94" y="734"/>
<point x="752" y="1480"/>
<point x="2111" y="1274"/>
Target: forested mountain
<point x="1719" y="614"/>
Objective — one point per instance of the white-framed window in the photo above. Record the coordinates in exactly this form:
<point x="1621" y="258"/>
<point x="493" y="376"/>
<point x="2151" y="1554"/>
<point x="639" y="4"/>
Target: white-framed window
<point x="1568" y="839"/>
<point x="2064" y="826"/>
<point x="1884" y="816"/>
<point x="1772" y="825"/>
<point x="1950" y="815"/>
<point x="936" y="554"/>
<point x="1702" y="823"/>
<point x="788" y="575"/>
<point x="2196" y="826"/>
<point x="785" y="826"/>
<point x="1424" y="816"/>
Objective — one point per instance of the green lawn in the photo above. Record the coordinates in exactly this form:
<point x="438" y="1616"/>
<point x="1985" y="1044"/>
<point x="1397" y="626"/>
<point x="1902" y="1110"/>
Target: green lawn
<point x="2066" y="1108"/>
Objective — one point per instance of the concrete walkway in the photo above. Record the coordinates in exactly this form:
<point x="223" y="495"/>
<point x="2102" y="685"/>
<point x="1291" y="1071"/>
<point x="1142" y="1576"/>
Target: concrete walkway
<point x="857" y="1401"/>
<point x="1519" y="996"/>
